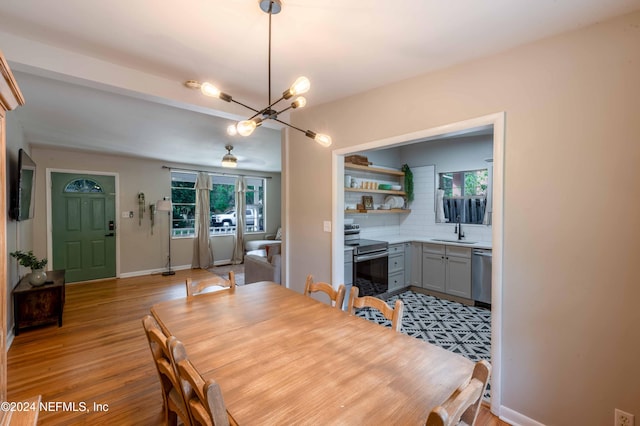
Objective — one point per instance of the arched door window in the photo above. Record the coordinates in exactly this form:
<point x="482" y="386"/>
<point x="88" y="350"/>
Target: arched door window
<point x="83" y="185"/>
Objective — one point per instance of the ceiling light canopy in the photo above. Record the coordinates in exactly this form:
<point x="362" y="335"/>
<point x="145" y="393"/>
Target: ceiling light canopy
<point x="299" y="87"/>
<point x="229" y="160"/>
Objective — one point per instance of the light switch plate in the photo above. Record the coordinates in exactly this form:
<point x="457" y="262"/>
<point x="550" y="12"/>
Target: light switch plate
<point x="326" y="226"/>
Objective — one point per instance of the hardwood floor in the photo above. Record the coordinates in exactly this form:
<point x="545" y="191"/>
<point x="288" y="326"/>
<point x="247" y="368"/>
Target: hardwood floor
<point x="100" y="355"/>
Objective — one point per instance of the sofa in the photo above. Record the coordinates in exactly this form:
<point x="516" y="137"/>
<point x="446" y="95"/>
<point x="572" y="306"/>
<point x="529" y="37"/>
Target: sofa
<point x="256" y="245"/>
<point x="258" y="266"/>
<point x="253" y="245"/>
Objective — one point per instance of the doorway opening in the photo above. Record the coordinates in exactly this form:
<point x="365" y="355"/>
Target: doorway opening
<point x="494" y="121"/>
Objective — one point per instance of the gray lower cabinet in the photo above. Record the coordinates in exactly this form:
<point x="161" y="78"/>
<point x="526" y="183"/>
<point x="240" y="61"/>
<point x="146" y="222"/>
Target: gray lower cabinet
<point x="396" y="266"/>
<point x="415" y="272"/>
<point x="447" y="269"/>
<point x="407" y="264"/>
<point x="433" y="267"/>
<point x="348" y="268"/>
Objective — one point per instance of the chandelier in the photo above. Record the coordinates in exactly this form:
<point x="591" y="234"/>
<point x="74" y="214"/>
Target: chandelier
<point x="300" y="86"/>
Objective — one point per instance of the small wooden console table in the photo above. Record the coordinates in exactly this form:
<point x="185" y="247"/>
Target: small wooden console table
<point x="33" y="306"/>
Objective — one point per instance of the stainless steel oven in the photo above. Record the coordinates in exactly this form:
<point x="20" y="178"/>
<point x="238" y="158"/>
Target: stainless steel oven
<point x="371" y="267"/>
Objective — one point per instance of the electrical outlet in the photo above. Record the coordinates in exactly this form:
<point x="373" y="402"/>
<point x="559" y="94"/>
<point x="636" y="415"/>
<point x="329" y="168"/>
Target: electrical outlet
<point x="623" y="418"/>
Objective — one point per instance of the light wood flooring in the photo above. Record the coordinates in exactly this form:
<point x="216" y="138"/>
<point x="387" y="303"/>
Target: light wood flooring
<point x="100" y="355"/>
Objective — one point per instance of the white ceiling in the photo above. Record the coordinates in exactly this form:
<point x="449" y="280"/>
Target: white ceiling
<point x="107" y="75"/>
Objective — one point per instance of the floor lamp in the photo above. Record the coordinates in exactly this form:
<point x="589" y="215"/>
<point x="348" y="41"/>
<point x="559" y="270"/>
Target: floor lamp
<point x="165" y="206"/>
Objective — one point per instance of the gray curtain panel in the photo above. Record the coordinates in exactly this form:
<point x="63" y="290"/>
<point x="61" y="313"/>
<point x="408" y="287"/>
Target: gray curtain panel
<point x="238" y="249"/>
<point x="440" y="217"/>
<point x="202" y="253"/>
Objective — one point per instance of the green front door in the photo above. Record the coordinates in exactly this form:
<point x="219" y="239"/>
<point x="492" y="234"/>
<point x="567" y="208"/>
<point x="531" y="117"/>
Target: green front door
<point x="83" y="225"/>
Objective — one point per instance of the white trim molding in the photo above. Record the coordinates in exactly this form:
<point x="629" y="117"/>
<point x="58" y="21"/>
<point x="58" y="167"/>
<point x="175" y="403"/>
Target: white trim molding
<point x="497" y="120"/>
<point x="49" y="217"/>
<point x="516" y="419"/>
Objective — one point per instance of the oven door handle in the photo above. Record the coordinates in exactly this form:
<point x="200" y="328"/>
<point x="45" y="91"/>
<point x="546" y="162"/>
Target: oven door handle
<point x="365" y="257"/>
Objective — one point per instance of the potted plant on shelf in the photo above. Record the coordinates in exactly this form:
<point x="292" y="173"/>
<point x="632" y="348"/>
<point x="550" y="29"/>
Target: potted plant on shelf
<point x="38" y="275"/>
<point x="408" y="182"/>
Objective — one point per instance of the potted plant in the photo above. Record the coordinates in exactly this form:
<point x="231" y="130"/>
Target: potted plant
<point x="408" y="182"/>
<point x="38" y="275"/>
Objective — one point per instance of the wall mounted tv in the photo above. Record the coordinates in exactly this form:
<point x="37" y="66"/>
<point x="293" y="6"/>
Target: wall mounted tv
<point x="26" y="195"/>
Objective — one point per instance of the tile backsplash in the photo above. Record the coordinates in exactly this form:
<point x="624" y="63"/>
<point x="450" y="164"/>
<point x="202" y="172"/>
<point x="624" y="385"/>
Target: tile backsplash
<point x="421" y="220"/>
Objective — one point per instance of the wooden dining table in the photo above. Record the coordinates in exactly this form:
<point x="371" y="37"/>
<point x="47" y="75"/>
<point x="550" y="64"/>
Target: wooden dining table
<point x="282" y="358"/>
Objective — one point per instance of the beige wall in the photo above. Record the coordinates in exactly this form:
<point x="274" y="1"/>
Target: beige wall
<point x="140" y="250"/>
<point x="19" y="234"/>
<point x="571" y="233"/>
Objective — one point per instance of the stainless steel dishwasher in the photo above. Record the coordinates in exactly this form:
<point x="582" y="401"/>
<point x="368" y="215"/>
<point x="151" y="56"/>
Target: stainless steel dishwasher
<point x="481" y="276"/>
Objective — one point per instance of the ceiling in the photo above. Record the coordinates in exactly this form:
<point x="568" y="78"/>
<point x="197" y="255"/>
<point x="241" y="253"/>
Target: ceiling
<point x="108" y="76"/>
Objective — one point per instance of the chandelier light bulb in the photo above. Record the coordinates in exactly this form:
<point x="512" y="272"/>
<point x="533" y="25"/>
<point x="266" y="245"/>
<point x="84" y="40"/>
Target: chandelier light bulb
<point x="299" y="102"/>
<point x="322" y="139"/>
<point x="246" y="127"/>
<point x="232" y="130"/>
<point x="300" y="86"/>
<point x="209" y="89"/>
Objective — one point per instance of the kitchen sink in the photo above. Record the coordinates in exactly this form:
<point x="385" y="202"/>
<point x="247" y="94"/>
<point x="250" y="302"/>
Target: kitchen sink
<point x="453" y="241"/>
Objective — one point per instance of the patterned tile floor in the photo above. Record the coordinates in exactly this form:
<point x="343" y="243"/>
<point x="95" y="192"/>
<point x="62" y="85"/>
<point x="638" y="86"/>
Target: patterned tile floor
<point x="462" y="329"/>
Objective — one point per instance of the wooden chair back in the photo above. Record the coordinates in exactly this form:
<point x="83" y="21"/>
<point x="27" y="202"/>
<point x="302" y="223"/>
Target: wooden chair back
<point x="204" y="398"/>
<point x="394" y="314"/>
<point x="462" y="407"/>
<point x="336" y="296"/>
<point x="195" y="288"/>
<point x="174" y="403"/>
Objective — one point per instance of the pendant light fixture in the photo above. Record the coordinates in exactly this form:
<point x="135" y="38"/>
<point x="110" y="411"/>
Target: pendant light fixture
<point x="229" y="160"/>
<point x="299" y="87"/>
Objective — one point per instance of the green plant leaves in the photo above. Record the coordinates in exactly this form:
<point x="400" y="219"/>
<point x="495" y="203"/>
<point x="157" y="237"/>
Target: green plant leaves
<point x="408" y="182"/>
<point x="28" y="259"/>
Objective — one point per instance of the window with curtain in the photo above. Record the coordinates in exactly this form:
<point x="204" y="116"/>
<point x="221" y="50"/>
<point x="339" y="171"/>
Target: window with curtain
<point x="222" y="204"/>
<point x="465" y="195"/>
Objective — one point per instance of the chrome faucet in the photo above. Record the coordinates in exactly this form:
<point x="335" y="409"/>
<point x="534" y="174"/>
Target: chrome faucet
<point x="458" y="229"/>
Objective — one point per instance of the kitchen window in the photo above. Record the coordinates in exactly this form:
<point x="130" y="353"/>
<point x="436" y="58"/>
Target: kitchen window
<point x="222" y="204"/>
<point x="465" y="195"/>
<point x="468" y="183"/>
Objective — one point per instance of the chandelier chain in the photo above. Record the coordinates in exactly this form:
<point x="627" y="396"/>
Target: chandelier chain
<point x="270" y="9"/>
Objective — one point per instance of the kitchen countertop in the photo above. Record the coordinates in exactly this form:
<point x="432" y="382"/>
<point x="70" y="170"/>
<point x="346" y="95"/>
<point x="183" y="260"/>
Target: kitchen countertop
<point x="396" y="239"/>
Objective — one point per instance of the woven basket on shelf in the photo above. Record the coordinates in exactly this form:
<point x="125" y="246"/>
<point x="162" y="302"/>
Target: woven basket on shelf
<point x="360" y="160"/>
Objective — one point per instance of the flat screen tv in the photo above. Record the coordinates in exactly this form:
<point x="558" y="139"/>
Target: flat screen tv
<point x="26" y="193"/>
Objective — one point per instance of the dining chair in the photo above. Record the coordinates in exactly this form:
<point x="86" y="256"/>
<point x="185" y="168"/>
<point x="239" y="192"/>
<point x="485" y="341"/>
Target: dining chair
<point x="174" y="403"/>
<point x="336" y="296"/>
<point x="195" y="288"/>
<point x="462" y="407"/>
<point x="394" y="314"/>
<point x="204" y="398"/>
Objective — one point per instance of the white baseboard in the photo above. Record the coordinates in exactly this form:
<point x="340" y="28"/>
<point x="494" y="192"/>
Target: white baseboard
<point x="10" y="337"/>
<point x="152" y="271"/>
<point x="516" y="419"/>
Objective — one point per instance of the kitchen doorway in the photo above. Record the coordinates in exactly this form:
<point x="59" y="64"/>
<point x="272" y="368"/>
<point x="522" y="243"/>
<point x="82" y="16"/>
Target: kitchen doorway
<point x="497" y="121"/>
